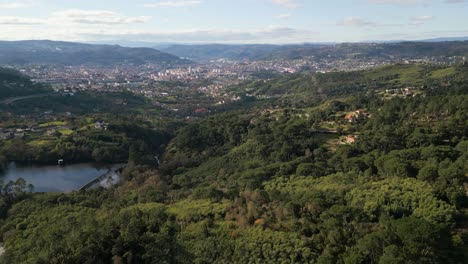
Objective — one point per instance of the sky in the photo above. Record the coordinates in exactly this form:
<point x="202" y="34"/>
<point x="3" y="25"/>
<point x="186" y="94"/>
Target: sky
<point x="232" y="21"/>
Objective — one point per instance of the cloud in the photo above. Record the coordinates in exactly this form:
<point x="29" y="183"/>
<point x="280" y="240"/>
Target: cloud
<point x="400" y="2"/>
<point x="290" y="4"/>
<point x="104" y="17"/>
<point x="355" y="22"/>
<point x="173" y="4"/>
<point x="456" y="1"/>
<point x="284" y="16"/>
<point x="12" y="5"/>
<point x="10" y="20"/>
<point x="16" y="5"/>
<point x="419" y="20"/>
<point x="269" y="34"/>
<point x="72" y="17"/>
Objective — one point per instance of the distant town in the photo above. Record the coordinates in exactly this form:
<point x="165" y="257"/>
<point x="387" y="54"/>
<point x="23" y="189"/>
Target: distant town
<point x="210" y="78"/>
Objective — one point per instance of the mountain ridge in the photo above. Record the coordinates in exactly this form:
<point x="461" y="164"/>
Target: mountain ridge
<point x="407" y="49"/>
<point x="75" y="53"/>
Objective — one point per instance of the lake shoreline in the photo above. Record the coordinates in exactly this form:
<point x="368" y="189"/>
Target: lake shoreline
<point x="55" y="178"/>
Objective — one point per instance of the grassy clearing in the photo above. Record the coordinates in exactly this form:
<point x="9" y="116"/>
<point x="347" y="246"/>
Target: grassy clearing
<point x="40" y="142"/>
<point x="66" y="132"/>
<point x="54" y="123"/>
<point x="330" y="141"/>
<point x="442" y="73"/>
<point x="398" y="73"/>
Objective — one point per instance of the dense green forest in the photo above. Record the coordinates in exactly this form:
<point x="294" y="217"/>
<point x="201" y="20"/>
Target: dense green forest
<point x="12" y="83"/>
<point x="312" y="168"/>
<point x="308" y="89"/>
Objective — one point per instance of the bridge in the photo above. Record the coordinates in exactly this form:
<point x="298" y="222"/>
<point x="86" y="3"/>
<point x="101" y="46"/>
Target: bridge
<point x="98" y="179"/>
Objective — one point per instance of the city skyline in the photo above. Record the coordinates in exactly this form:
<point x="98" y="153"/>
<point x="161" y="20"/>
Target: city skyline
<point x="242" y="21"/>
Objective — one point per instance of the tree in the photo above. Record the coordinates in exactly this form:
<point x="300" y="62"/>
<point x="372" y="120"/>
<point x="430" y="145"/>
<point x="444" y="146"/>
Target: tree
<point x="405" y="240"/>
<point x="428" y="173"/>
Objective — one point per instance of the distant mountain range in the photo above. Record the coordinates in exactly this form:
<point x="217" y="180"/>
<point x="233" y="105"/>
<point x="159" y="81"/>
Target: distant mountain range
<point x="70" y="53"/>
<point x="216" y="51"/>
<point x="445" y="39"/>
<point x="165" y="45"/>
<point x="341" y="51"/>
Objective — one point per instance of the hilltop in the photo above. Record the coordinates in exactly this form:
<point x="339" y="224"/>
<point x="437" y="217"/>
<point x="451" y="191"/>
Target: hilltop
<point x="340" y="51"/>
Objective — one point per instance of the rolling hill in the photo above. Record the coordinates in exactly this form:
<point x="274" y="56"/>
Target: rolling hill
<point x="338" y="51"/>
<point x="217" y="51"/>
<point x="70" y="53"/>
<point x="13" y="84"/>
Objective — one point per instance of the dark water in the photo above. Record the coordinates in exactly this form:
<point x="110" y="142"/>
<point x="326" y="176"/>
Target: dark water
<point x="55" y="178"/>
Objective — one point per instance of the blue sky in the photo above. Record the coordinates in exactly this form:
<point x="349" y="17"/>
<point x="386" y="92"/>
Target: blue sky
<point x="226" y="21"/>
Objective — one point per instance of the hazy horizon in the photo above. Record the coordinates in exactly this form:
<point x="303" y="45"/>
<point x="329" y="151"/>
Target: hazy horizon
<point x="132" y="43"/>
<point x="228" y="22"/>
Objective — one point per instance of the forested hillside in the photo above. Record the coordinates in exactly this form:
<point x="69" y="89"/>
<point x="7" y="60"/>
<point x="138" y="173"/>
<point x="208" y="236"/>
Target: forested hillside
<point x="70" y="53"/>
<point x="12" y="84"/>
<point x="341" y="84"/>
<point x="359" y="167"/>
<point x="377" y="50"/>
<point x="338" y="51"/>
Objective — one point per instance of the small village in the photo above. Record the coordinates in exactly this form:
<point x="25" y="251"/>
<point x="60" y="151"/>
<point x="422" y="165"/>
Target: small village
<point x="43" y="133"/>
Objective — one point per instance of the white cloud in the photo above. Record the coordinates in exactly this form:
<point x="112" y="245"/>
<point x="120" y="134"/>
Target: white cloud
<point x="221" y="36"/>
<point x="12" y="5"/>
<point x="290" y="4"/>
<point x="419" y="20"/>
<point x="284" y="16"/>
<point x="63" y="30"/>
<point x="174" y="4"/>
<point x="73" y="17"/>
<point x="10" y="20"/>
<point x="96" y="17"/>
<point x="16" y="5"/>
<point x="400" y="2"/>
<point x="355" y="22"/>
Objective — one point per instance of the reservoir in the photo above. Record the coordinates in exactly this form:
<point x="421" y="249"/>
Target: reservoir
<point x="55" y="178"/>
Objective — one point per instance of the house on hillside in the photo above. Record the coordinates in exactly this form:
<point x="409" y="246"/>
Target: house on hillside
<point x="351" y="118"/>
<point x="6" y="135"/>
<point x="19" y="135"/>
<point x="357" y="115"/>
<point x="201" y="111"/>
<point x="351" y="139"/>
<point x="408" y="91"/>
<point x="51" y="132"/>
<point x="101" y="125"/>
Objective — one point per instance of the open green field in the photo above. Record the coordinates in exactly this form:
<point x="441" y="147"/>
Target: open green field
<point x="442" y="73"/>
<point x="53" y="123"/>
<point x="65" y="132"/>
<point x="40" y="142"/>
<point x="397" y="73"/>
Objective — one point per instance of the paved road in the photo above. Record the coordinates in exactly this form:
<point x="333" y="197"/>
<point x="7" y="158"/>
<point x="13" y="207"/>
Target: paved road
<point x="14" y="99"/>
